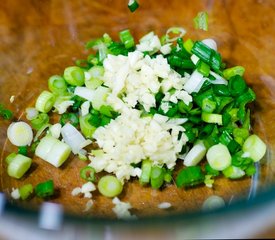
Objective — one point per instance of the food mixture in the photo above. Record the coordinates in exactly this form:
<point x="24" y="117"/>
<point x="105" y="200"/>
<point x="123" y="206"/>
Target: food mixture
<point x="135" y="111"/>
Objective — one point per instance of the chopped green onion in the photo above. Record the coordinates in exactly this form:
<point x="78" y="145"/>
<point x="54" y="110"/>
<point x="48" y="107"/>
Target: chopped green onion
<point x="176" y="61"/>
<point x="188" y="45"/>
<point x="216" y="61"/>
<point x="248" y="96"/>
<point x="146" y="167"/>
<point x="195" y="155"/>
<point x="86" y="128"/>
<point x="40" y="120"/>
<point x="203" y="68"/>
<point x="109" y="186"/>
<point x="78" y="101"/>
<point x="218" y="157"/>
<point x="201" y="21"/>
<point x="246" y="122"/>
<point x="168" y="176"/>
<point x="208" y="105"/>
<point x="126" y="38"/>
<point x="184" y="108"/>
<point x="88" y="173"/>
<point x="94" y="120"/>
<point x="250" y="170"/>
<point x="20" y="134"/>
<point x="157" y="177"/>
<point x="5" y="113"/>
<point x="82" y="63"/>
<point x="231" y="72"/>
<point x="23" y="150"/>
<point x="19" y="165"/>
<point x="10" y="157"/>
<point x="221" y="90"/>
<point x="209" y="181"/>
<point x="202" y="51"/>
<point x="210" y="171"/>
<point x="206" y="131"/>
<point x="237" y="85"/>
<point x="71" y="118"/>
<point x="177" y="32"/>
<point x="45" y="102"/>
<point x="189" y="177"/>
<point x="57" y="84"/>
<point x="25" y="191"/>
<point x="211" y="118"/>
<point x="34" y="146"/>
<point x="74" y="76"/>
<point x="255" y="147"/>
<point x="52" y="150"/>
<point x="95" y="80"/>
<point x="203" y="95"/>
<point x="107" y="111"/>
<point x="240" y="134"/>
<point x="225" y="137"/>
<point x="242" y="162"/>
<point x="133" y="5"/>
<point x="233" y="146"/>
<point x="233" y="172"/>
<point x="44" y="189"/>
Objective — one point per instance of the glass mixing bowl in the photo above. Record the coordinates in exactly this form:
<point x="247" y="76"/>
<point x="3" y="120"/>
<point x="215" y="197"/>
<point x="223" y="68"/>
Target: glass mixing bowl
<point x="40" y="38"/>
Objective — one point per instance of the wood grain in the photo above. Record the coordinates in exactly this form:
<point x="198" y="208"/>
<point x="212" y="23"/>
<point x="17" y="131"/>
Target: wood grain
<point x="40" y="38"/>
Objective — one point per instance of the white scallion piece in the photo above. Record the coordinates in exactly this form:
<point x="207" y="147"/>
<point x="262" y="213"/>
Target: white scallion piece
<point x="194" y="83"/>
<point x="58" y="154"/>
<point x="194" y="59"/>
<point x="218" y="157"/>
<point x="40" y="131"/>
<point x="255" y="147"/>
<point x="164" y="205"/>
<point x="55" y="130"/>
<point x="218" y="79"/>
<point x="20" y="134"/>
<point x="44" y="147"/>
<point x="31" y="113"/>
<point x="195" y="155"/>
<point x="213" y="202"/>
<point x="53" y="151"/>
<point x="85" y="108"/>
<point x="166" y="49"/>
<point x="19" y="165"/>
<point x="73" y="138"/>
<point x="100" y="96"/>
<point x="211" y="43"/>
<point x="85" y="93"/>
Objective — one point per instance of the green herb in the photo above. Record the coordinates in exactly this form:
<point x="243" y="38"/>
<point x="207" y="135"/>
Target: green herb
<point x="189" y="177"/>
<point x="5" y="113"/>
<point x="201" y="21"/>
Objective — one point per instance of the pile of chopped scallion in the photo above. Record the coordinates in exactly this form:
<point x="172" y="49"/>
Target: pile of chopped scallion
<point x="199" y="105"/>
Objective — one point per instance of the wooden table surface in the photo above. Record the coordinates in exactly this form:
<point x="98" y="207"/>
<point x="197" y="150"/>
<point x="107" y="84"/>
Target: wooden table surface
<point x="40" y="38"/>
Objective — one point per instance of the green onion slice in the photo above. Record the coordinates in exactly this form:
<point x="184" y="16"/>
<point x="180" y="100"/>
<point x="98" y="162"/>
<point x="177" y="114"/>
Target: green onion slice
<point x="201" y="21"/>
<point x="44" y="189"/>
<point x="189" y="177"/>
<point x="88" y="173"/>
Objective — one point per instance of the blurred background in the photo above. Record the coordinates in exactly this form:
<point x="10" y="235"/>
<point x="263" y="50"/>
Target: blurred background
<point x="39" y="38"/>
